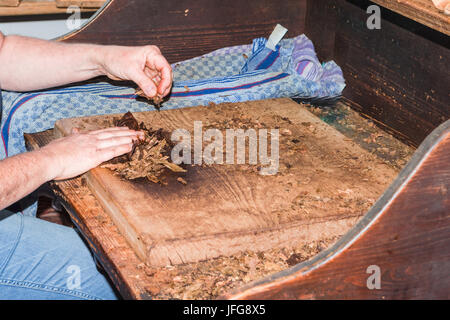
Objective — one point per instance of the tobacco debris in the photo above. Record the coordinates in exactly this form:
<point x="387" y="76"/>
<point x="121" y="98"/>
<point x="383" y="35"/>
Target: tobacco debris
<point x="149" y="157"/>
<point x="156" y="100"/>
<point x="212" y="278"/>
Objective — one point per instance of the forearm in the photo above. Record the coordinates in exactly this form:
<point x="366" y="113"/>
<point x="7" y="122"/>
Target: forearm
<point x="28" y="64"/>
<point x="22" y="174"/>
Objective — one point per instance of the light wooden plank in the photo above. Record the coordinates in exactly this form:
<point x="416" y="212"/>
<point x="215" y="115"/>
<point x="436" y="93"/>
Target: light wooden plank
<point x="28" y="7"/>
<point x="81" y="4"/>
<point x="422" y="11"/>
<point x="9" y="3"/>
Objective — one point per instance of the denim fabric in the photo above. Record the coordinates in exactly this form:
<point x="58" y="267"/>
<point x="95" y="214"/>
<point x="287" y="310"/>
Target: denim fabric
<point x="46" y="261"/>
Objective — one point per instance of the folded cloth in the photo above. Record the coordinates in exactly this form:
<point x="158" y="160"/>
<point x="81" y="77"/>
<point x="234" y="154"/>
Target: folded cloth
<point x="232" y="74"/>
<point x="242" y="73"/>
<point x="263" y="58"/>
<point x="304" y="61"/>
<point x="300" y="58"/>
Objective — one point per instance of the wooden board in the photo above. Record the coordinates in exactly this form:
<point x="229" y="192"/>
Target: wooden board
<point x="225" y="209"/>
<point x="198" y="27"/>
<point x="403" y="241"/>
<point x="422" y="11"/>
<point x="36" y="7"/>
<point x="9" y="3"/>
<point x="81" y="4"/>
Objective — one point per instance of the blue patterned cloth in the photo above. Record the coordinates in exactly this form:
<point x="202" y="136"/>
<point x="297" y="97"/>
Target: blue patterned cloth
<point x="232" y="74"/>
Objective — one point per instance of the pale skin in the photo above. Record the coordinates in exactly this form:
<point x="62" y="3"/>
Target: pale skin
<point x="31" y="64"/>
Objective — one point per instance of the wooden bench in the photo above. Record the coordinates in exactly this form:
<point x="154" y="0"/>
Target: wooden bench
<point x="396" y="76"/>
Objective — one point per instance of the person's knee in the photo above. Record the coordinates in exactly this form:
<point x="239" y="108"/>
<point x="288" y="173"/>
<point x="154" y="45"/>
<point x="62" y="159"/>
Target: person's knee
<point x="62" y="242"/>
<point x="55" y="256"/>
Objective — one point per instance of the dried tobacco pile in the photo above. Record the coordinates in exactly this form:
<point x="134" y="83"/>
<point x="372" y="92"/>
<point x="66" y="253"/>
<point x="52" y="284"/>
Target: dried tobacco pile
<point x="149" y="157"/>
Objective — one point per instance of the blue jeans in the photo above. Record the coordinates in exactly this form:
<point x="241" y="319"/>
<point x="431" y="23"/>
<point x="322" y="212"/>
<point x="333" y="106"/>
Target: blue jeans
<point x="43" y="260"/>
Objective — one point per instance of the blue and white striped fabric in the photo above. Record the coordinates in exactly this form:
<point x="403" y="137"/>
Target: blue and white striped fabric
<point x="243" y="73"/>
<point x="232" y="74"/>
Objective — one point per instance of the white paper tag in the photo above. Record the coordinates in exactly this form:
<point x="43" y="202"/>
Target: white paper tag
<point x="276" y="36"/>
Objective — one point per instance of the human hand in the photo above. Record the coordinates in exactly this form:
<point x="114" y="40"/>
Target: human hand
<point x="75" y="154"/>
<point x="144" y="65"/>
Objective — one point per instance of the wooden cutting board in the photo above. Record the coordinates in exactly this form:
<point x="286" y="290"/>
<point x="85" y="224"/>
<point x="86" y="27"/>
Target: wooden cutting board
<point x="324" y="184"/>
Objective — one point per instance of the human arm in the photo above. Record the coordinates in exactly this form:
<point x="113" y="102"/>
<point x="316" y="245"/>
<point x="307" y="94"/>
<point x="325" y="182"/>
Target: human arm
<point x="61" y="159"/>
<point x="32" y="64"/>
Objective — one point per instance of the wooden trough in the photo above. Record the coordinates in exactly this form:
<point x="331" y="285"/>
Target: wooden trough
<point x="396" y="76"/>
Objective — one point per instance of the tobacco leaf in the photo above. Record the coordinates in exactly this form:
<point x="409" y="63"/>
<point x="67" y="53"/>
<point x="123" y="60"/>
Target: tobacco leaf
<point x="156" y="100"/>
<point x="149" y="157"/>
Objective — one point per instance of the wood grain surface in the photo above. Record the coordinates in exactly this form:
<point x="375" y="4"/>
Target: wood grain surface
<point x="80" y="3"/>
<point x="9" y="3"/>
<point x="405" y="236"/>
<point x="225" y="209"/>
<point x="33" y="7"/>
<point x="396" y="76"/>
<point x="422" y="11"/>
<point x="196" y="26"/>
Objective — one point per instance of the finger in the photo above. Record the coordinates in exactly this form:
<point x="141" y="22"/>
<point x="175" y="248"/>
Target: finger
<point x="157" y="80"/>
<point x="112" y="129"/>
<point x="107" y="135"/>
<point x="151" y="73"/>
<point x="112" y="142"/>
<point x="166" y="81"/>
<point x="165" y="72"/>
<point x="156" y="49"/>
<point x="114" y="151"/>
<point x="145" y="83"/>
<point x="168" y="86"/>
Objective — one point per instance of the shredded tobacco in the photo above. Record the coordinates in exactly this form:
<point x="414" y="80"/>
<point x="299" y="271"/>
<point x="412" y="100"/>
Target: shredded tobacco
<point x="149" y="157"/>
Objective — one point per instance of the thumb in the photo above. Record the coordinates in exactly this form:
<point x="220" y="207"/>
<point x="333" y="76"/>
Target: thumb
<point x="145" y="83"/>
